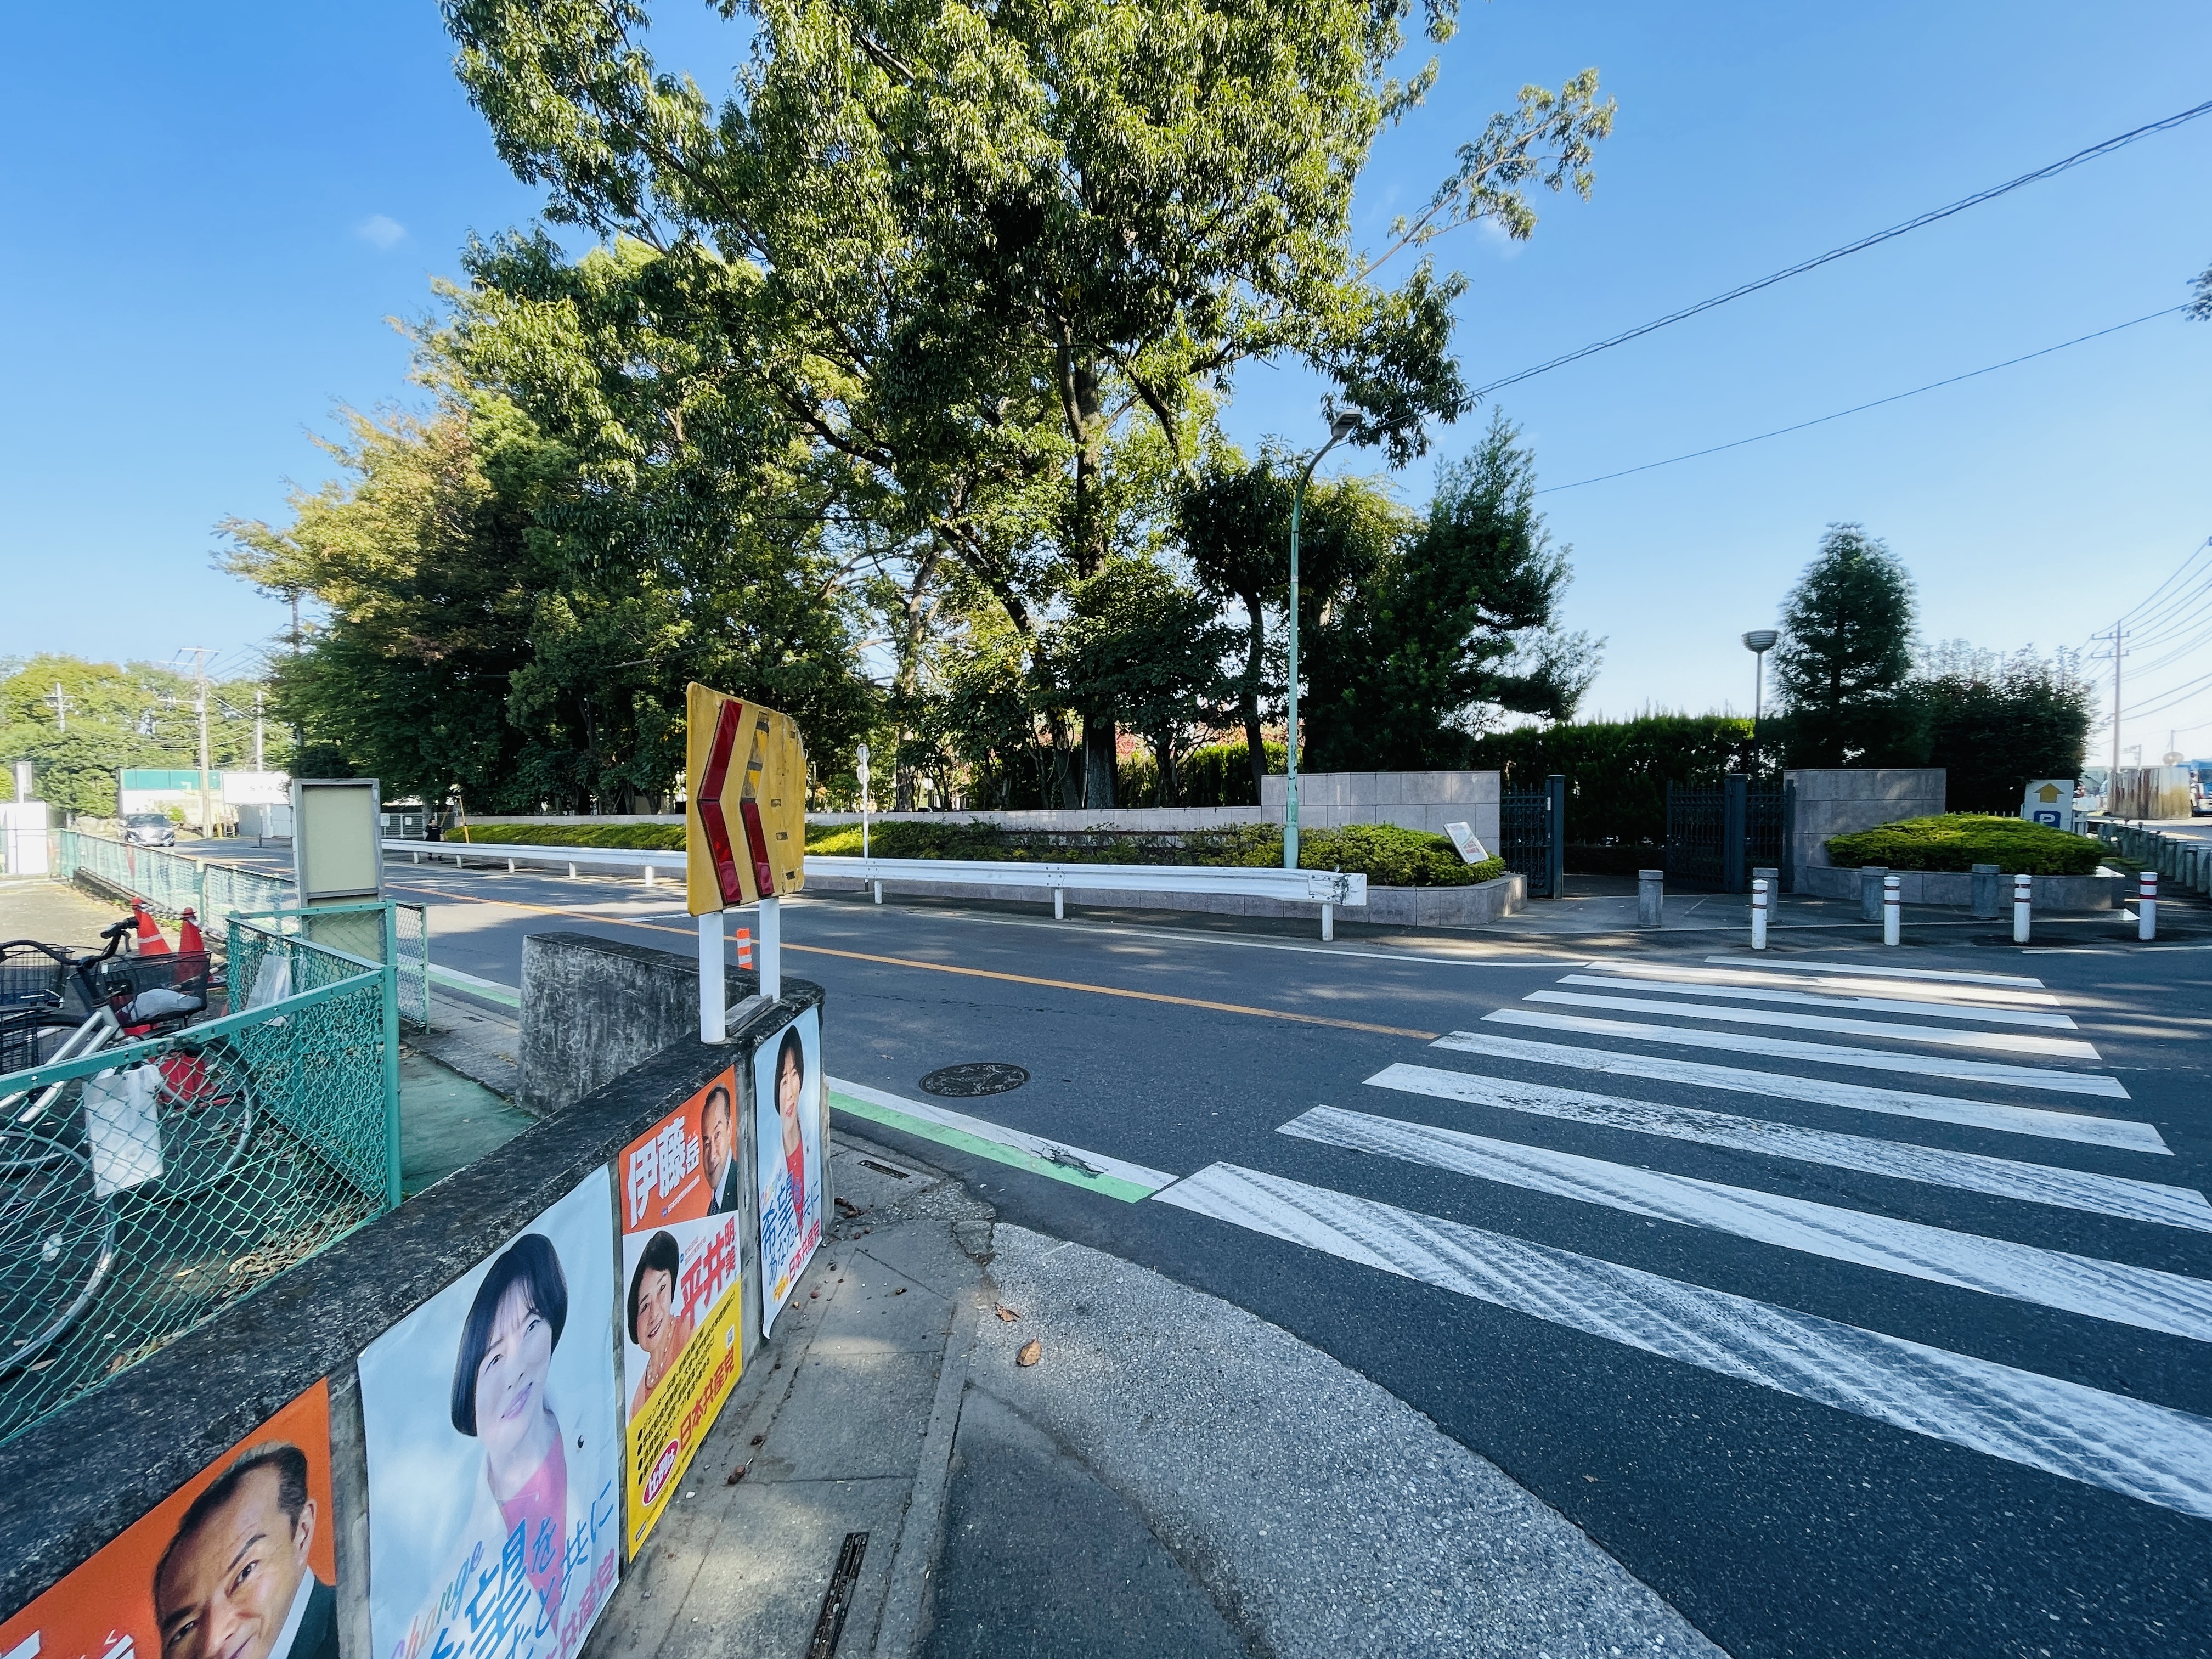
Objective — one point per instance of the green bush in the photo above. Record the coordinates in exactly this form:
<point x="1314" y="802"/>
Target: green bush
<point x="1959" y="841"/>
<point x="650" y="837"/>
<point x="1386" y="854"/>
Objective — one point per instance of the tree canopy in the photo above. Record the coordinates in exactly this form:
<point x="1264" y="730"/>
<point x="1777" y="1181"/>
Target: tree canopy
<point x="1845" y="651"/>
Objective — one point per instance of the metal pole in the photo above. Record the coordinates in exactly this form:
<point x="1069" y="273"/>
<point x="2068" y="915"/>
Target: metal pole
<point x="714" y="1000"/>
<point x="771" y="947"/>
<point x="1893" y="908"/>
<point x="2111" y="782"/>
<point x="258" y="765"/>
<point x="1338" y="429"/>
<point x="389" y="985"/>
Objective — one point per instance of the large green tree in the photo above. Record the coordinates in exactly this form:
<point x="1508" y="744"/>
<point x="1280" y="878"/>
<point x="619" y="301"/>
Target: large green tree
<point x="966" y="253"/>
<point x="1994" y="722"/>
<point x="1846" y="653"/>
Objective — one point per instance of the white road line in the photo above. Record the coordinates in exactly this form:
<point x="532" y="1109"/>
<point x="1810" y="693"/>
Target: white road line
<point x="1824" y="1054"/>
<point x="2002" y="1042"/>
<point x="2024" y="983"/>
<point x="2145" y="1297"/>
<point x="1952" y="995"/>
<point x="2133" y="1447"/>
<point x="1974" y="1172"/>
<point x="2122" y="1133"/>
<point x="1804" y="1000"/>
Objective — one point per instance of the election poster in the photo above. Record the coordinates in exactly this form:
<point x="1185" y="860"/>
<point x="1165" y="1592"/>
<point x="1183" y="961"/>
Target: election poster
<point x="790" y="1112"/>
<point x="238" y="1563"/>
<point x="490" y="1418"/>
<point x="682" y="1201"/>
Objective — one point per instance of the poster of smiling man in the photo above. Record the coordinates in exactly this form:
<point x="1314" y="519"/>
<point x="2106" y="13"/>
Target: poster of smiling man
<point x="681" y="1198"/>
<point x="236" y="1563"/>
<point x="494" y="1463"/>
<point x="790" y="1107"/>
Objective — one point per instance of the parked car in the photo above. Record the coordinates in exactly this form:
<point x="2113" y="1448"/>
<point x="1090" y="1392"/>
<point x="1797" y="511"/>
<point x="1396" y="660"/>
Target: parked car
<point x="149" y="830"/>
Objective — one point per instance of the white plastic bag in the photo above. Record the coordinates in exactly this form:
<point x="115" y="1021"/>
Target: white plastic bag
<point x="122" y="1125"/>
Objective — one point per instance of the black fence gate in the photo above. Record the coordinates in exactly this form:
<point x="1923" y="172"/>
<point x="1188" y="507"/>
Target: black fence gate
<point x="1532" y="838"/>
<point x="1717" y="834"/>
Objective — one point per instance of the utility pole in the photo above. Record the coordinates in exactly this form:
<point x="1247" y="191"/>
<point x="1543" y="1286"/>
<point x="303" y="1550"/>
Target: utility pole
<point x="60" y="701"/>
<point x="2119" y="650"/>
<point x="256" y="730"/>
<point x="201" y="657"/>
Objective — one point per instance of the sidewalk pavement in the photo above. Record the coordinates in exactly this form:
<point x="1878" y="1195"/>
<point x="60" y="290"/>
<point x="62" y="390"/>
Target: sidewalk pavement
<point x="1169" y="1475"/>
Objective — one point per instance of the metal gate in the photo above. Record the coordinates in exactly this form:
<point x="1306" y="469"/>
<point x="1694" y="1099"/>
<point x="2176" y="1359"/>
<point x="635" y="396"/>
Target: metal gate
<point x="1717" y="834"/>
<point x="1530" y="838"/>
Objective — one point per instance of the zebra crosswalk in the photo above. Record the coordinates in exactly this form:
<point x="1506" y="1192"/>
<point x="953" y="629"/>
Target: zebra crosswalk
<point x="2111" y="1439"/>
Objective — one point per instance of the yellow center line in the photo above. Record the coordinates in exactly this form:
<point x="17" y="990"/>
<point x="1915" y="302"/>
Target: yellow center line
<point x="973" y="973"/>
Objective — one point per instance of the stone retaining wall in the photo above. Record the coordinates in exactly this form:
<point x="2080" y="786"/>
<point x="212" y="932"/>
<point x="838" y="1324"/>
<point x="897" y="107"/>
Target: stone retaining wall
<point x="1953" y="887"/>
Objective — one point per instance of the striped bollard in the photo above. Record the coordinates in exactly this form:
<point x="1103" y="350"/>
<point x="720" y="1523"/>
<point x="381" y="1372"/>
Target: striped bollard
<point x="1893" y="908"/>
<point x="745" y="948"/>
<point x="2146" y="905"/>
<point x="1759" y="915"/>
<point x="2023" y="891"/>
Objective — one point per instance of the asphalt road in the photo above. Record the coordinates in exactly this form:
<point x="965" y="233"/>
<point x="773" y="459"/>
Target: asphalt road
<point x="1938" y="1405"/>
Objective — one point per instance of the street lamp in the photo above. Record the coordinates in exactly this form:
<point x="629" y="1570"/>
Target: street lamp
<point x="1340" y="427"/>
<point x="862" y="768"/>
<point x="1759" y="642"/>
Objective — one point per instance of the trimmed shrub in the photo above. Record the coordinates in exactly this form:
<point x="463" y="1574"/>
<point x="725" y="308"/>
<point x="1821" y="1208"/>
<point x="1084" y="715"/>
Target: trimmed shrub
<point x="1959" y="841"/>
<point x="647" y="837"/>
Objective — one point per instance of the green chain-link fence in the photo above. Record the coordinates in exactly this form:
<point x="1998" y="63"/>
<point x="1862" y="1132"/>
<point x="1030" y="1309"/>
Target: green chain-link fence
<point x="144" y="1188"/>
<point x="171" y="884"/>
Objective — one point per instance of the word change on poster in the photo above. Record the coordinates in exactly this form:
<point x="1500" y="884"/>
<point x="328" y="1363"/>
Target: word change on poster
<point x="491" y="1417"/>
<point x="238" y="1563"/>
<point x="791" y="1110"/>
<point x="682" y="1199"/>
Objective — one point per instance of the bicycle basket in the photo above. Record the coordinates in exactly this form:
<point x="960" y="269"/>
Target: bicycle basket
<point x="30" y="972"/>
<point x="29" y="1035"/>
<point x="141" y="989"/>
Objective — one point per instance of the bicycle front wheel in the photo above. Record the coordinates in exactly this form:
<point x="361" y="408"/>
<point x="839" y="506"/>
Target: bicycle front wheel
<point x="57" y="1243"/>
<point x="206" y="1100"/>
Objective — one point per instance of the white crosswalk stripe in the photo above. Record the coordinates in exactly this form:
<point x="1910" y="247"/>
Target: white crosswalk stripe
<point x="1931" y="1009"/>
<point x="1829" y="1054"/>
<point x="2143" y="1297"/>
<point x="2121" y="1133"/>
<point x="2002" y="1177"/>
<point x="1933" y="977"/>
<point x="2002" y="1042"/>
<point x="1918" y="990"/>
<point x="2134" y="1447"/>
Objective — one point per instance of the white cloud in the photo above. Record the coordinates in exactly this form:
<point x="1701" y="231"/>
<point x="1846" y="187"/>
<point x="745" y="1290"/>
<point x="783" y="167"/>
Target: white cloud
<point x="382" y="233"/>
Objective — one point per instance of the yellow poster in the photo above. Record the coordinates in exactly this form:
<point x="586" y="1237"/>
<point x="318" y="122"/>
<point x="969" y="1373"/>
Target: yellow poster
<point x="683" y="1197"/>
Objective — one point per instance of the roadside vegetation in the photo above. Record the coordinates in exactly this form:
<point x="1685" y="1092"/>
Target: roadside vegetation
<point x="1959" y="841"/>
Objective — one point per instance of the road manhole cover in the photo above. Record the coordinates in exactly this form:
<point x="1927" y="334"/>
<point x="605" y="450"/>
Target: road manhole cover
<point x="977" y="1077"/>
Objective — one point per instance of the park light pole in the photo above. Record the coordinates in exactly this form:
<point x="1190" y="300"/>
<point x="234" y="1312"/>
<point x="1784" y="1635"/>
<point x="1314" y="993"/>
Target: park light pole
<point x="1759" y="642"/>
<point x="1340" y="427"/>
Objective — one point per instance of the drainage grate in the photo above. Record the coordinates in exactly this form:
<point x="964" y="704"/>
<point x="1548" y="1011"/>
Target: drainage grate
<point x="976" y="1077"/>
<point x="837" y="1602"/>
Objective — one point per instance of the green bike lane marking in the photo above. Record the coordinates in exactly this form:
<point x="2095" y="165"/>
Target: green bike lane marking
<point x="1093" y="1172"/>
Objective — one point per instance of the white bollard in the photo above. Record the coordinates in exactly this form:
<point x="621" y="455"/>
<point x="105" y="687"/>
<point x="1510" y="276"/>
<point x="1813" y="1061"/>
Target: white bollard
<point x="1892" y="910"/>
<point x="648" y="875"/>
<point x="771" y="948"/>
<point x="2023" y="893"/>
<point x="414" y="857"/>
<point x="879" y="892"/>
<point x="714" y="1000"/>
<point x="1327" y="921"/>
<point x="510" y="866"/>
<point x="2146" y="905"/>
<point x="1059" y="905"/>
<point x="1759" y="915"/>
<point x="572" y="872"/>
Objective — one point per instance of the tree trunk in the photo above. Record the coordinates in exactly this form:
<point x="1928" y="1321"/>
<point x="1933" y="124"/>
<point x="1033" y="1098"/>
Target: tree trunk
<point x="1170" y="792"/>
<point x="1098" y="764"/>
<point x="1255" y="746"/>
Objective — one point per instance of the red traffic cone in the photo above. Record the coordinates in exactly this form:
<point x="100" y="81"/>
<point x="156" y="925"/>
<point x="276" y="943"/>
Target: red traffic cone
<point x="149" y="942"/>
<point x="189" y="942"/>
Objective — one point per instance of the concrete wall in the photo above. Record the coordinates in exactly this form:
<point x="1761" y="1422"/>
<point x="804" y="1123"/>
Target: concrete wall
<point x="1835" y="801"/>
<point x="1954" y="887"/>
<point x="79" y="1476"/>
<point x="1413" y="800"/>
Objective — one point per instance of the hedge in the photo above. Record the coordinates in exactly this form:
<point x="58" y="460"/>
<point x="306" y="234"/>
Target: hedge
<point x="1959" y="841"/>
<point x="651" y="837"/>
<point x="1386" y="854"/>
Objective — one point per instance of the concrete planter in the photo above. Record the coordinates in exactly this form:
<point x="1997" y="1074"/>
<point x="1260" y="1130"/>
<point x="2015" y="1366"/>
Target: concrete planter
<point x="1390" y="907"/>
<point x="1953" y="887"/>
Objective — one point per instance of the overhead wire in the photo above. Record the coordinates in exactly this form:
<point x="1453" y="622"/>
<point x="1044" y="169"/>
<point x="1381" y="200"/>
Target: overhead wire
<point x="1860" y="408"/>
<point x="1864" y="242"/>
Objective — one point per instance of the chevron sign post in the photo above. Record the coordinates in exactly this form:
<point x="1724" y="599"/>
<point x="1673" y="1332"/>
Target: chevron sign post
<point x="744" y="832"/>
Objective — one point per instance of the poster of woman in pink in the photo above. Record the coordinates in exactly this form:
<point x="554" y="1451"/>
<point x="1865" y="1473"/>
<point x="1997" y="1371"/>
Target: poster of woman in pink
<point x="490" y="1414"/>
<point x="790" y="1107"/>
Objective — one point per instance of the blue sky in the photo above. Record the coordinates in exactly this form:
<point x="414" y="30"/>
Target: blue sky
<point x="215" y="210"/>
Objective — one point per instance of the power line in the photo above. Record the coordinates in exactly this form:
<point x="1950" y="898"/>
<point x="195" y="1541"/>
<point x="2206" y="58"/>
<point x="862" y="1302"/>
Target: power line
<point x="1859" y="409"/>
<point x="1863" y="243"/>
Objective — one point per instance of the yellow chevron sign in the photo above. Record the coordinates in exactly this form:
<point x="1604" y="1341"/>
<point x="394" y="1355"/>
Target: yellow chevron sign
<point x="744" y="817"/>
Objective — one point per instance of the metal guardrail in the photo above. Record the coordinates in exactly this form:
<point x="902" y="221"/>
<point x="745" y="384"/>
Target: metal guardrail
<point x="1326" y="888"/>
<point x="172" y="883"/>
<point x="145" y="1187"/>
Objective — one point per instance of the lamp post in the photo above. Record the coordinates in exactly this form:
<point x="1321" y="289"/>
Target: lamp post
<point x="1340" y="427"/>
<point x="1759" y="642"/>
<point x="862" y="768"/>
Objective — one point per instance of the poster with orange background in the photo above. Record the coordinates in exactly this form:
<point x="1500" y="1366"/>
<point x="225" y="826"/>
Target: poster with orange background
<point x="238" y="1562"/>
<point x="681" y="1191"/>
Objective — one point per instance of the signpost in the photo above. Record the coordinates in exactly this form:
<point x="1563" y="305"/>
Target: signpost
<point x="745" y="838"/>
<point x="2049" y="801"/>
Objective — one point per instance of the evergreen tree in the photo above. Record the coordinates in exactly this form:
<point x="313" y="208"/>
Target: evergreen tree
<point x="1846" y="651"/>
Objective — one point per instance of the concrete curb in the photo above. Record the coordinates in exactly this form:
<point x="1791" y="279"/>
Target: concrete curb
<point x="905" y="1618"/>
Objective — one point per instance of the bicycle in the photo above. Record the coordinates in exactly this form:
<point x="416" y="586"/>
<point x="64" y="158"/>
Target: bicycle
<point x="165" y="1129"/>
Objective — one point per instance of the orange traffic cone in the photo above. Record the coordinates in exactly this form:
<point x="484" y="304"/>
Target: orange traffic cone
<point x="149" y="942"/>
<point x="189" y="942"/>
<point x="745" y="948"/>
